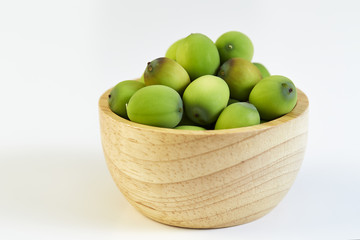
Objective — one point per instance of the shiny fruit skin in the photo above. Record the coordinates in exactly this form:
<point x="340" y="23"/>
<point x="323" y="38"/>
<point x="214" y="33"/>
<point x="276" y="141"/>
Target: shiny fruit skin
<point x="165" y="71"/>
<point x="205" y="98"/>
<point x="156" y="105"/>
<point x="234" y="44"/>
<point x="241" y="76"/>
<point x="171" y="52"/>
<point x="274" y="96"/>
<point x="236" y="115"/>
<point x="263" y="70"/>
<point x="189" y="127"/>
<point x="198" y="55"/>
<point x="120" y="95"/>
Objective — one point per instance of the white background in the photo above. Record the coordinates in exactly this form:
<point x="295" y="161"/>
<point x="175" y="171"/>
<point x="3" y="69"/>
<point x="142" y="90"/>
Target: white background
<point x="58" y="57"/>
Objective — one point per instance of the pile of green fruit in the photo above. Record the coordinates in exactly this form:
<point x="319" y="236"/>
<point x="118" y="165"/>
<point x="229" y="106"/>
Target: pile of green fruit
<point x="201" y="85"/>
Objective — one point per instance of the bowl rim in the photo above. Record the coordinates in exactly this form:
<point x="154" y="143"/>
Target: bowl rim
<point x="300" y="109"/>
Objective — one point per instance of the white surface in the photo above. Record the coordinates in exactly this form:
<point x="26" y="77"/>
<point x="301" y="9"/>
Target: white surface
<point x="56" y="58"/>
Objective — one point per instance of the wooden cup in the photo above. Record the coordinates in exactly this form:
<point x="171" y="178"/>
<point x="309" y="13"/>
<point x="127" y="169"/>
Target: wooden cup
<point x="204" y="179"/>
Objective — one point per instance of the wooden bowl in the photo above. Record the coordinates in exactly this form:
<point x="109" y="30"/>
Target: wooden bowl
<point x="204" y="179"/>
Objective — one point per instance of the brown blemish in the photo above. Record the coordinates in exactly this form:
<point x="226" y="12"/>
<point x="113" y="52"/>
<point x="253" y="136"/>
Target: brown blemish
<point x="150" y="67"/>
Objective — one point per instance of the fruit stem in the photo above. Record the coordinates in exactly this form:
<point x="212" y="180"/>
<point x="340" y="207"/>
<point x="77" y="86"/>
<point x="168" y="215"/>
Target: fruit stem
<point x="149" y="67"/>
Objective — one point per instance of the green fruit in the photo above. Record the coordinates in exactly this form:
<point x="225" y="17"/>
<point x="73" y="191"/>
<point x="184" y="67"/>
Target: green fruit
<point x="205" y="98"/>
<point x="264" y="72"/>
<point x="198" y="55"/>
<point x="190" y="127"/>
<point x="165" y="71"/>
<point x="234" y="44"/>
<point x="171" y="52"/>
<point x="274" y="96"/>
<point x="120" y="95"/>
<point x="156" y="105"/>
<point x="240" y="114"/>
<point x="241" y="76"/>
<point x="231" y="101"/>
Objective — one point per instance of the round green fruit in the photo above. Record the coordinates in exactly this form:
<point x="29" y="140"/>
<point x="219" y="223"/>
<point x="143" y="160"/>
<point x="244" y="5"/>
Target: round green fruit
<point x="236" y="115"/>
<point x="205" y="98"/>
<point x="241" y="76"/>
<point x="171" y="52"/>
<point x="120" y="95"/>
<point x="156" y="105"/>
<point x="274" y="96"/>
<point x="264" y="72"/>
<point x="234" y="44"/>
<point x="190" y="127"/>
<point x="198" y="55"/>
<point x="165" y="71"/>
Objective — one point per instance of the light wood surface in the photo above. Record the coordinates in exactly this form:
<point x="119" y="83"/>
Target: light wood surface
<point x="204" y="179"/>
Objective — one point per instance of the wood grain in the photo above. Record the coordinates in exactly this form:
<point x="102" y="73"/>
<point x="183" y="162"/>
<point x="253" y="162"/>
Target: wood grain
<point x="204" y="179"/>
